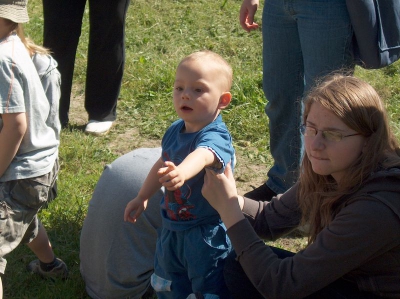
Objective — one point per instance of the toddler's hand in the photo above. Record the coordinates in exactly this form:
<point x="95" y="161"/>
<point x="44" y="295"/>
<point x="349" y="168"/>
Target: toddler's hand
<point x="138" y="205"/>
<point x="170" y="176"/>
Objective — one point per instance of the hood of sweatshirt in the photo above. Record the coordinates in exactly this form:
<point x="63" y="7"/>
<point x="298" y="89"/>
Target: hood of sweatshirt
<point x="383" y="185"/>
<point x="44" y="64"/>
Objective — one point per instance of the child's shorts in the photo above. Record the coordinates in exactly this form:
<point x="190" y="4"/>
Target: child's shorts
<point x="20" y="201"/>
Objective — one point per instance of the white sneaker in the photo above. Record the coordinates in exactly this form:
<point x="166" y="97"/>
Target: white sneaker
<point x="98" y="128"/>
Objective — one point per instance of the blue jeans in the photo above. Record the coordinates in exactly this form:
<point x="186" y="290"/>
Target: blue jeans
<point x="191" y="261"/>
<point x="302" y="41"/>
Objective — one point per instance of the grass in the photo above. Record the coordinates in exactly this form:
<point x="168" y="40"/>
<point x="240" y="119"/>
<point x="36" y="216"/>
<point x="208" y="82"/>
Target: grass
<point x="158" y="34"/>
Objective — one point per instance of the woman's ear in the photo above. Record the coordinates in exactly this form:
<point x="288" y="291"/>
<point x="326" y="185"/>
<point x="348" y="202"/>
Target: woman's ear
<point x="224" y="100"/>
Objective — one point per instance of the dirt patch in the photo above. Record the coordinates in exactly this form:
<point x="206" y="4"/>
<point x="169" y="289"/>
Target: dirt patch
<point x="130" y="139"/>
<point x="77" y="113"/>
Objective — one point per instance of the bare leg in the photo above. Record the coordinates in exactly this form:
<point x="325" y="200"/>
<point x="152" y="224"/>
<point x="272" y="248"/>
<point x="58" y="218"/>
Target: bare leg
<point x="41" y="246"/>
<point x="1" y="289"/>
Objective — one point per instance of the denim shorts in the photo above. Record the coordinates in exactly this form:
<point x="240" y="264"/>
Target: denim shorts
<point x="20" y="201"/>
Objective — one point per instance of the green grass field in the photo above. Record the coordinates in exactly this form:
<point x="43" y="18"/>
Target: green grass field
<point x="158" y="34"/>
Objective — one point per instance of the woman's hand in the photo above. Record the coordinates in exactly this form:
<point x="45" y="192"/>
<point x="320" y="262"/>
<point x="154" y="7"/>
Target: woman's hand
<point x="220" y="191"/>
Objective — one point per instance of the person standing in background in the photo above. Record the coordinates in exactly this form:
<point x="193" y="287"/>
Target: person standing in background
<point x="106" y="55"/>
<point x="302" y="40"/>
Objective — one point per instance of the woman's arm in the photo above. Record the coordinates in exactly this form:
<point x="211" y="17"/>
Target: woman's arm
<point x="272" y="220"/>
<point x="269" y="220"/>
<point x="360" y="236"/>
<point x="220" y="191"/>
<point x="360" y="232"/>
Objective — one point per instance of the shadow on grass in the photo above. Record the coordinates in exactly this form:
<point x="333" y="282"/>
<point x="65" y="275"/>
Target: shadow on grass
<point x="74" y="127"/>
<point x="64" y="234"/>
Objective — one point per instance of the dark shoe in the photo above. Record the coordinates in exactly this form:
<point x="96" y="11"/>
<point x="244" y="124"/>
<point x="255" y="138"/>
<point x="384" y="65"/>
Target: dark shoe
<point x="64" y="125"/>
<point x="150" y="293"/>
<point x="59" y="271"/>
<point x="262" y="193"/>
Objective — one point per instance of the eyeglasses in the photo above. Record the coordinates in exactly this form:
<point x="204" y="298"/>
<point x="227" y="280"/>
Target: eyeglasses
<point x="327" y="135"/>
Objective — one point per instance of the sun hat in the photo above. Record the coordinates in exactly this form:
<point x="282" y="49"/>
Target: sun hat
<point x="14" y="10"/>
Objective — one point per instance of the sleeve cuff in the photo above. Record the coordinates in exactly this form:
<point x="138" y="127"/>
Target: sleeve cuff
<point x="250" y="209"/>
<point x="242" y="236"/>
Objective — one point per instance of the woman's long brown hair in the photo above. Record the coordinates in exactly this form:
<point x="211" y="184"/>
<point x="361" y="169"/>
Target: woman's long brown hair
<point x="359" y="106"/>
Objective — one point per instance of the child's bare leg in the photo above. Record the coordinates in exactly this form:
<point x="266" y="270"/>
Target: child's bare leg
<point x="41" y="246"/>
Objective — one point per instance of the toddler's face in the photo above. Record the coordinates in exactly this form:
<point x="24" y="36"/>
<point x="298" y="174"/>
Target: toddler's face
<point x="197" y="90"/>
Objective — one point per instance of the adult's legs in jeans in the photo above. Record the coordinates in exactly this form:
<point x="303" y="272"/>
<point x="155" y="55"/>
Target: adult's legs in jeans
<point x="283" y="86"/>
<point x="62" y="29"/>
<point x="106" y="58"/>
<point x="301" y="41"/>
<point x="326" y="41"/>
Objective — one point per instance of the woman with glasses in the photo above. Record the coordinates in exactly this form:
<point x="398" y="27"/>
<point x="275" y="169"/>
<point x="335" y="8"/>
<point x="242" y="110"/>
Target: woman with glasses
<point x="348" y="195"/>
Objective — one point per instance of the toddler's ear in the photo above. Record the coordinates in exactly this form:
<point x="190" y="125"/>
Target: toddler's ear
<point x="224" y="100"/>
